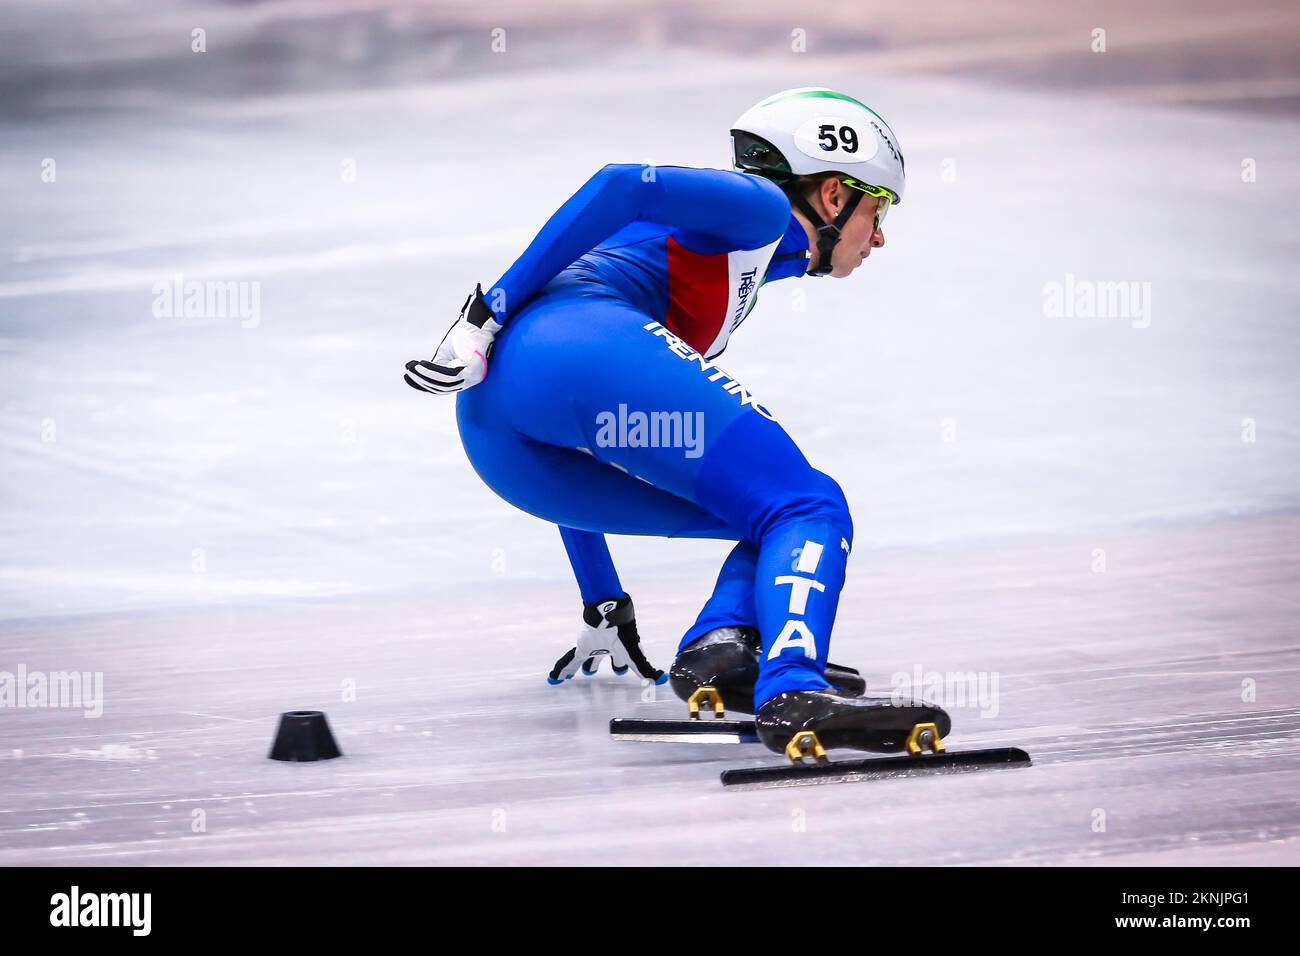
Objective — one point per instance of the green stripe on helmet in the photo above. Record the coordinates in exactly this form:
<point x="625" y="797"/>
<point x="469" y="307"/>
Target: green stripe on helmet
<point x="823" y="94"/>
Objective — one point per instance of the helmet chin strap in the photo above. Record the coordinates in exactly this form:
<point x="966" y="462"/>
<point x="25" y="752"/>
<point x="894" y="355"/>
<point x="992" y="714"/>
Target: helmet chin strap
<point x="828" y="233"/>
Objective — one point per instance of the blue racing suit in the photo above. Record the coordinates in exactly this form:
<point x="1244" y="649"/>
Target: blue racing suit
<point x="604" y="411"/>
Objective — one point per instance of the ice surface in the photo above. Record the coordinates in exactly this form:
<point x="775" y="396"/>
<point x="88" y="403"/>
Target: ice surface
<point x="231" y="522"/>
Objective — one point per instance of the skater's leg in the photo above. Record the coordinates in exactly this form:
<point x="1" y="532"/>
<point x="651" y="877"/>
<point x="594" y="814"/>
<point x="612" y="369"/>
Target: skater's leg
<point x="573" y="489"/>
<point x="592" y="565"/>
<point x="732" y="601"/>
<point x="757" y="479"/>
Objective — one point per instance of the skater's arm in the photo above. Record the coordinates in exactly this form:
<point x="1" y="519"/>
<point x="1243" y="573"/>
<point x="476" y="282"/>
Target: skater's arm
<point x="746" y="211"/>
<point x="734" y="210"/>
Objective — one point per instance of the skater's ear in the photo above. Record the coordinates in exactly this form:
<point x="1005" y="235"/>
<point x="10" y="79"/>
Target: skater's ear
<point x="819" y="189"/>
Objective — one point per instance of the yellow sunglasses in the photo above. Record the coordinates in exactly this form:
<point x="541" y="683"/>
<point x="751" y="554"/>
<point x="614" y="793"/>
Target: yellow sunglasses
<point x="887" y="197"/>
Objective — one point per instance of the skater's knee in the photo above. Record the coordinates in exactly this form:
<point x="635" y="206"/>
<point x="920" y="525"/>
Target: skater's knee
<point x="818" y="497"/>
<point x="833" y="503"/>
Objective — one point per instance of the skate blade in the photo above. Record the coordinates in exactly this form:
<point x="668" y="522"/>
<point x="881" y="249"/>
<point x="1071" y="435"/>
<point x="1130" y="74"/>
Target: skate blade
<point x="710" y="731"/>
<point x="873" y="768"/>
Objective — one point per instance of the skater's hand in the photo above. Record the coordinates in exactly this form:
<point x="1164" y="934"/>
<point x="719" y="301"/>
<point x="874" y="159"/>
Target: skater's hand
<point x="613" y="636"/>
<point x="461" y="358"/>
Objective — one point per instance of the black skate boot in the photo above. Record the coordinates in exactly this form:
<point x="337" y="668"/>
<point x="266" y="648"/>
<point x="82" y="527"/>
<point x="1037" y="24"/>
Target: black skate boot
<point x="881" y="724"/>
<point x="726" y="659"/>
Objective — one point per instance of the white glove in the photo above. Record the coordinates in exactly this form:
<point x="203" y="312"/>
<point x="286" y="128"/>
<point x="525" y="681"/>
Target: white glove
<point x="461" y="358"/>
<point x="609" y="630"/>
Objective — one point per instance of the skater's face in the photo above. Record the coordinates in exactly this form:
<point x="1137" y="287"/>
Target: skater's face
<point x="860" y="234"/>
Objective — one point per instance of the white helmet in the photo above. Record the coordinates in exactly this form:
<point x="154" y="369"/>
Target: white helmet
<point x="816" y="130"/>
